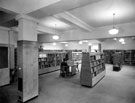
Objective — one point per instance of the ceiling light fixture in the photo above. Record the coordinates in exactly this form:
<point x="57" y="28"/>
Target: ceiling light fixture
<point x="89" y="44"/>
<point x="113" y="31"/>
<point x="115" y="39"/>
<point x="54" y="44"/>
<point x="121" y="40"/>
<point x="80" y="42"/>
<point x="66" y="44"/>
<point x="85" y="41"/>
<point x="55" y="37"/>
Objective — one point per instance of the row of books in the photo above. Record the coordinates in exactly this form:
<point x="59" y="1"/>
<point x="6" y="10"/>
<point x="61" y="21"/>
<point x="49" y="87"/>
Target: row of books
<point x="97" y="62"/>
<point x="94" y="74"/>
<point x="55" y="51"/>
<point x="128" y="56"/>
<point x="50" y="60"/>
<point x="97" y="57"/>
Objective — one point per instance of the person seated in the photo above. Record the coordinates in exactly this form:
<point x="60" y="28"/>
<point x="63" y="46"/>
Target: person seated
<point x="77" y="64"/>
<point x="64" y="68"/>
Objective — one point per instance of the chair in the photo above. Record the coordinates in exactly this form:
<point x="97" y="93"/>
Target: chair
<point x="63" y="72"/>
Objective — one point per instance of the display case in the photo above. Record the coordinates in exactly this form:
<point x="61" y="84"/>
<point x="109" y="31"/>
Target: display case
<point x="92" y="69"/>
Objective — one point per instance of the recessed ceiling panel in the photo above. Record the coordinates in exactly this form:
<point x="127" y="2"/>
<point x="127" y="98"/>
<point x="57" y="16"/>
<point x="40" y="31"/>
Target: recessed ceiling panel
<point x="55" y="23"/>
<point x="7" y="19"/>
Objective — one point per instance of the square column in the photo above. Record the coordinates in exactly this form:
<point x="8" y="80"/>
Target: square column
<point x="27" y="53"/>
<point x="28" y="70"/>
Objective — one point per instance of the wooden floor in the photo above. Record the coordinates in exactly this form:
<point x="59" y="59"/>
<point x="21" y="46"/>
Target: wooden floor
<point x="115" y="87"/>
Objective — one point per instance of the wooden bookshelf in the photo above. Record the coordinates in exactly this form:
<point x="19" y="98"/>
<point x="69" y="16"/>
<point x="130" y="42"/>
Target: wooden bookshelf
<point x="127" y="57"/>
<point x="133" y="57"/>
<point x="92" y="69"/>
<point x="50" y="61"/>
<point x="107" y="56"/>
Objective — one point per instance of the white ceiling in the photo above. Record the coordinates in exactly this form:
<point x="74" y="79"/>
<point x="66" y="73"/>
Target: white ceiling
<point x="101" y="13"/>
<point x="55" y="23"/>
<point x="25" y="6"/>
<point x="73" y="14"/>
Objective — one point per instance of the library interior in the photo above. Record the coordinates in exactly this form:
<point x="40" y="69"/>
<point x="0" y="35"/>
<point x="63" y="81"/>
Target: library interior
<point x="67" y="51"/>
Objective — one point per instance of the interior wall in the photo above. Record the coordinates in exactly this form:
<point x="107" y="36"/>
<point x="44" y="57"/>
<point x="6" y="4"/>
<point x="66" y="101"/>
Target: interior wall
<point x="106" y="44"/>
<point x="71" y="46"/>
<point x="7" y="37"/>
<point x="14" y="38"/>
<point x="76" y="46"/>
<point x="4" y="37"/>
<point x="127" y="29"/>
<point x="50" y="46"/>
<point x="61" y="46"/>
<point x="112" y="44"/>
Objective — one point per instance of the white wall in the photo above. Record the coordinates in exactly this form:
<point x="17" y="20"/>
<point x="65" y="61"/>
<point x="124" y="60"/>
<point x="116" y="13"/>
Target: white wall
<point x="13" y="38"/>
<point x="71" y="46"/>
<point x="61" y="46"/>
<point x="76" y="46"/>
<point x="112" y="44"/>
<point x="127" y="29"/>
<point x="4" y="37"/>
<point x="106" y="44"/>
<point x="50" y="46"/>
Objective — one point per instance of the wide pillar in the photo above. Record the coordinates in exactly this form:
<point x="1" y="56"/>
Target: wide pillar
<point x="27" y="53"/>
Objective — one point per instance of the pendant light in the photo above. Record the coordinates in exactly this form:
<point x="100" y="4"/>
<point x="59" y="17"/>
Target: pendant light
<point x="121" y="40"/>
<point x="113" y="31"/>
<point x="55" y="37"/>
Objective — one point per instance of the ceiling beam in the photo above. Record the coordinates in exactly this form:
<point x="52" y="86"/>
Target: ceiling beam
<point x="40" y="30"/>
<point x="43" y="29"/>
<point x="72" y="20"/>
